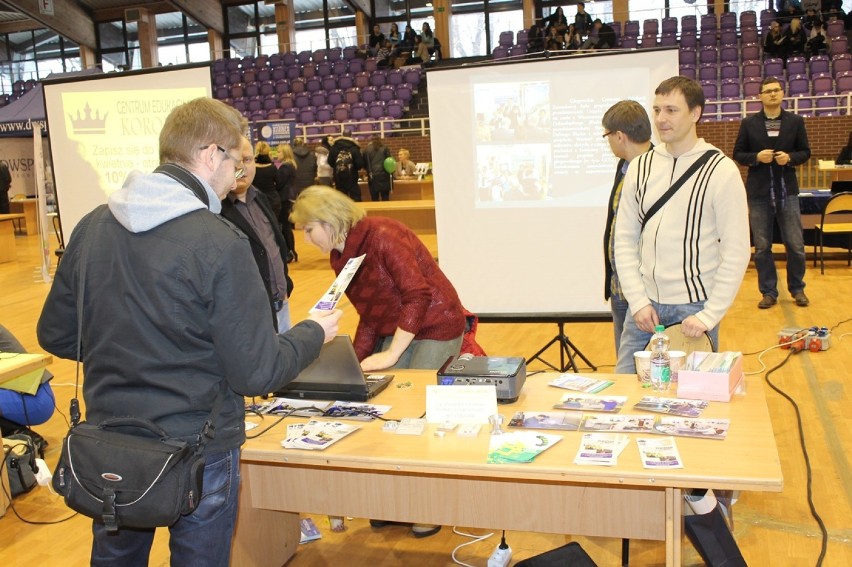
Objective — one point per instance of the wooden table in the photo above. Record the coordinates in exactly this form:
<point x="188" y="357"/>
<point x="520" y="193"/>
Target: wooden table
<point x="8" y="248"/>
<point x="837" y="172"/>
<point x="29" y="208"/>
<point x="429" y="479"/>
<point x="404" y="190"/>
<point x="419" y="216"/>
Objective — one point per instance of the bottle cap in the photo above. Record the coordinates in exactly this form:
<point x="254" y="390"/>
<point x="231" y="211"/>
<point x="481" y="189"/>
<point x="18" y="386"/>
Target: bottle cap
<point x="659" y="328"/>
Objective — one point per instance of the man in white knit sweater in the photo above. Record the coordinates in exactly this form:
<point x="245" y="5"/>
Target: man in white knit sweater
<point x="683" y="263"/>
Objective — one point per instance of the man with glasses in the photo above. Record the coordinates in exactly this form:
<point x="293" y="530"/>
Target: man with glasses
<point x="249" y="209"/>
<point x="175" y="322"/>
<point x="772" y="143"/>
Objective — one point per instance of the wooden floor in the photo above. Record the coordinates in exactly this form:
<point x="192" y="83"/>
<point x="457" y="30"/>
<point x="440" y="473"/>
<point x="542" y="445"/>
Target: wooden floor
<point x="772" y="529"/>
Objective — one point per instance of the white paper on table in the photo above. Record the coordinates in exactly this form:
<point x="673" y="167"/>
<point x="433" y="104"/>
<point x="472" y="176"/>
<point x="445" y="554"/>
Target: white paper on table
<point x="460" y="404"/>
<point x="330" y="298"/>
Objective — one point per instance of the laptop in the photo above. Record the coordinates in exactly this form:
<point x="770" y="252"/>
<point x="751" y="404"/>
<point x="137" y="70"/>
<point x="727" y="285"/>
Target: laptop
<point x="336" y="375"/>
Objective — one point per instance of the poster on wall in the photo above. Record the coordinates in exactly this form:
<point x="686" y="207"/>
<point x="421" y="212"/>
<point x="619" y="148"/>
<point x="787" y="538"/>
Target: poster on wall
<point x="273" y="132"/>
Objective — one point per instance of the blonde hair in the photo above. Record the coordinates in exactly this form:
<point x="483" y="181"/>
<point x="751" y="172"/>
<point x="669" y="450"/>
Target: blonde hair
<point x="403" y="153"/>
<point x="319" y="203"/>
<point x="261" y="149"/>
<point x="197" y="124"/>
<point x="285" y="154"/>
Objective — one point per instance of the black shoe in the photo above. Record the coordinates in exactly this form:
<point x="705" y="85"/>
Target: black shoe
<point x="424" y="530"/>
<point x="801" y="299"/>
<point x="767" y="302"/>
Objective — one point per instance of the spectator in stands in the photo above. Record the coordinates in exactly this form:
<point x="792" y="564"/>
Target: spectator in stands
<point x="773" y="43"/>
<point x="572" y="39"/>
<point x="771" y="143"/>
<point x="325" y="174"/>
<point x="266" y="177"/>
<point x="796" y="39"/>
<point x="582" y="20"/>
<point x="555" y="42"/>
<point x="811" y="17"/>
<point x="792" y="9"/>
<point x="817" y="42"/>
<point x="428" y="37"/>
<point x="602" y="36"/>
<point x="556" y="20"/>
<point x="843" y="158"/>
<point x="393" y="35"/>
<point x="384" y="55"/>
<point x="249" y="210"/>
<point x="378" y="179"/>
<point x="377" y="39"/>
<point x="346" y="160"/>
<point x="286" y="177"/>
<point x="17" y="409"/>
<point x="404" y="165"/>
<point x="535" y="38"/>
<point x="409" y="39"/>
<point x="627" y="129"/>
<point x="420" y="55"/>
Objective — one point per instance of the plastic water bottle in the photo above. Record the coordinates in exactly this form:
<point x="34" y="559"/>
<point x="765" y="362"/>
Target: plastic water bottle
<point x="660" y="364"/>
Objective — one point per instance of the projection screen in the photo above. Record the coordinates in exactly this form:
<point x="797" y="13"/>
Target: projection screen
<point x="103" y="126"/>
<point x="522" y="176"/>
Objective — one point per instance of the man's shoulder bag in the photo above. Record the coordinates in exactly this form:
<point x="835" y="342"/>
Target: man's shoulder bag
<point x="127" y="471"/>
<point x="705" y="157"/>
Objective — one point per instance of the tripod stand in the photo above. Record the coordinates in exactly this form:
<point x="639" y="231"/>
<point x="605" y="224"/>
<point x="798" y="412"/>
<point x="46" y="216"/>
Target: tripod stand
<point x="566" y="347"/>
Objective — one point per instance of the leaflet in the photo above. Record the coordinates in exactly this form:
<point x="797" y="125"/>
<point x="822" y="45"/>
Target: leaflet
<point x="659" y="453"/>
<point x="600" y="449"/>
<point x="590" y="402"/>
<point x="331" y="297"/>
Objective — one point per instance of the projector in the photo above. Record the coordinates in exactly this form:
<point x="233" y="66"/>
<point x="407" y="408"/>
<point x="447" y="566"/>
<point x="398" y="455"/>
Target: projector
<point x="507" y="375"/>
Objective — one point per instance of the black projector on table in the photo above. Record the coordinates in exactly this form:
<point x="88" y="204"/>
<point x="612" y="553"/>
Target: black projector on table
<point x="506" y="374"/>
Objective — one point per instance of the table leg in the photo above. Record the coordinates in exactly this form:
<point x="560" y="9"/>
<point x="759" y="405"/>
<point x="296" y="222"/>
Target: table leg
<point x="674" y="527"/>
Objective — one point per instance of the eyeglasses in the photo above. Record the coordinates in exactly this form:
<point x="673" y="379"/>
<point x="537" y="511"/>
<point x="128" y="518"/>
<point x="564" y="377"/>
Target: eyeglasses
<point x="771" y="91"/>
<point x="239" y="172"/>
<point x="607" y="134"/>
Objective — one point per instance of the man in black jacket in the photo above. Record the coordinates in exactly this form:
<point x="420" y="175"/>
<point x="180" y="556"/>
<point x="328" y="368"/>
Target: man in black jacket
<point x="346" y="160"/>
<point x="174" y="312"/>
<point x="772" y="143"/>
<point x="248" y="208"/>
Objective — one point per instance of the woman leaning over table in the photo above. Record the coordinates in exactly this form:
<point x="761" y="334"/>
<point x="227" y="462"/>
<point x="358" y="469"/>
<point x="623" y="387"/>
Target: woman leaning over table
<point x="410" y="314"/>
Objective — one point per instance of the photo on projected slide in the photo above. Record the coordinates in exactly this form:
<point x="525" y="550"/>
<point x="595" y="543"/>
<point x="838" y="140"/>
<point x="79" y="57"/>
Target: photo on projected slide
<point x="538" y="142"/>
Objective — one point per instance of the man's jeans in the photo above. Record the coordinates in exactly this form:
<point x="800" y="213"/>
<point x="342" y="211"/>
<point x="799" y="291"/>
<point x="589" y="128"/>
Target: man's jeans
<point x="201" y="539"/>
<point x="633" y="339"/>
<point x="760" y="217"/>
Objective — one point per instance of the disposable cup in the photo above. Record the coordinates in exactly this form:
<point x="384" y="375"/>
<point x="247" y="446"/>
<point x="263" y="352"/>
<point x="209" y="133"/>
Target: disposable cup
<point x="677" y="358"/>
<point x="642" y="359"/>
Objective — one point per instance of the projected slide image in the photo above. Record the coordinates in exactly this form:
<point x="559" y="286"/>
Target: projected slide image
<point x="512" y="112"/>
<point x="505" y="174"/>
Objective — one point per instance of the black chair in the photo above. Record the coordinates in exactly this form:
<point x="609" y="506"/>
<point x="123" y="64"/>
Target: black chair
<point x="841" y="187"/>
<point x="830" y="224"/>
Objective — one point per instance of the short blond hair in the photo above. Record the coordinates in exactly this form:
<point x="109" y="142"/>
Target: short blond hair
<point x="261" y="149"/>
<point x="319" y="203"/>
<point x="197" y="124"/>
<point x="404" y="153"/>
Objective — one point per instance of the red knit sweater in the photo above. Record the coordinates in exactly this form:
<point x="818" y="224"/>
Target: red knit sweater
<point x="398" y="285"/>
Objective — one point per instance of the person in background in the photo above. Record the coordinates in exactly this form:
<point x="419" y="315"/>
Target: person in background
<point x="582" y="20"/>
<point x="771" y="143"/>
<point x="554" y="41"/>
<point x="20" y="409"/>
<point x="306" y="169"/>
<point x="404" y="165"/>
<point x="378" y="179"/>
<point x="796" y="39"/>
<point x="286" y="176"/>
<point x="627" y="129"/>
<point x="393" y="35"/>
<point x="845" y="155"/>
<point x="174" y="313"/>
<point x="420" y="54"/>
<point x="266" y="177"/>
<point x="601" y="36"/>
<point x="377" y="39"/>
<point x="557" y="21"/>
<point x="346" y="160"/>
<point x="572" y="39"/>
<point x="773" y="43"/>
<point x="535" y="37"/>
<point x="703" y="226"/>
<point x="428" y="38"/>
<point x="383" y="55"/>
<point x="5" y="184"/>
<point x="325" y="173"/>
<point x="817" y="42"/>
<point x="251" y="212"/>
<point x="408" y="41"/>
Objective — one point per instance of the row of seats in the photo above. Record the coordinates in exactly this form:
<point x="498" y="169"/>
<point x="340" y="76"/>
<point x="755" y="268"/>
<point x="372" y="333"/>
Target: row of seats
<point x="770" y="67"/>
<point x="344" y="81"/>
<point x="307" y="71"/>
<point x="403" y="92"/>
<point x="731" y="109"/>
<point x="394" y="109"/>
<point x="287" y="59"/>
<point x="795" y="85"/>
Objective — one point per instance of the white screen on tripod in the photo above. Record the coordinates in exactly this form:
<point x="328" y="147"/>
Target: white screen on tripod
<point x="522" y="176"/>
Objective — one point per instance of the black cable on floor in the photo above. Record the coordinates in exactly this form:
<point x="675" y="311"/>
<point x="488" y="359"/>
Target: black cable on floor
<point x="814" y="513"/>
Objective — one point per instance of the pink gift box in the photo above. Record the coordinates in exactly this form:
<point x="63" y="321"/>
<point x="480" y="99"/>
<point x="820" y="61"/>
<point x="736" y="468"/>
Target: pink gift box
<point x="707" y="385"/>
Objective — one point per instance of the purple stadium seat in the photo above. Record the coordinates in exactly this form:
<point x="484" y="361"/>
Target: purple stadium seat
<point x="841" y="64"/>
<point x="631" y="28"/>
<point x="834" y="29"/>
<point x="669" y="25"/>
<point x="290" y="114"/>
<point x="220" y="79"/>
<point x="819" y="64"/>
<point x="362" y="80"/>
<point x="709" y="23"/>
<point x="710" y="113"/>
<point x="748" y="19"/>
<point x="270" y="102"/>
<point x="729" y="70"/>
<point x="307" y="115"/>
<point x="522" y="37"/>
<point x="708" y="55"/>
<point x="339" y="67"/>
<point x="252" y="89"/>
<point x="341" y="112"/>
<point x="728" y="21"/>
<point x="285" y="101"/>
<point x="345" y="81"/>
<point x="838" y="45"/>
<point x="412" y="76"/>
<point x="329" y="83"/>
<point x="749" y="35"/>
<point x="369" y="94"/>
<point x="282" y="86"/>
<point x="688" y="24"/>
<point x="301" y="100"/>
<point x="651" y="26"/>
<point x="255" y="103"/>
<point x="751" y="86"/>
<point x="331" y="129"/>
<point x="275" y="114"/>
<point x="688" y="40"/>
<point x="773" y="67"/>
<point x="276" y="60"/>
<point x="249" y="76"/>
<point x="349" y="52"/>
<point x="318" y="99"/>
<point x="801" y="104"/>
<point x="387" y="93"/>
<point x="707" y="39"/>
<point x="395" y="109"/>
<point x="309" y="70"/>
<point x="826" y="106"/>
<point x="264" y="74"/>
<point x="351" y="96"/>
<point x="629" y="42"/>
<point x="334" y="54"/>
<point x="220" y="66"/>
<point x="240" y="104"/>
<point x="798" y="85"/>
<point x="822" y="84"/>
<point x="405" y="92"/>
<point x="668" y="40"/>
<point x="728" y="37"/>
<point x="318" y="55"/>
<point x="766" y="18"/>
<point x="304" y="57"/>
<point x="257" y="115"/>
<point x="293" y="72"/>
<point x="797" y="66"/>
<point x="506" y="39"/>
<point x="222" y="92"/>
<point x="325" y="113"/>
<point x="729" y="54"/>
<point x="232" y="64"/>
<point x="247" y="62"/>
<point x="261" y="61"/>
<point x="844" y="83"/>
<point x="279" y="73"/>
<point x="297" y="85"/>
<point x="235" y="76"/>
<point x="371" y="64"/>
<point x="711" y="90"/>
<point x="517" y="50"/>
<point x="687" y="71"/>
<point x="687" y="56"/>
<point x="289" y="59"/>
<point x="394" y="77"/>
<point x="335" y="97"/>
<point x="358" y="111"/>
<point x="708" y="72"/>
<point x="649" y="40"/>
<point x="376" y="109"/>
<point x="378" y="78"/>
<point x="324" y="68"/>
<point x="267" y="88"/>
<point x="313" y="84"/>
<point x="238" y="90"/>
<point x="752" y="68"/>
<point x="730" y="88"/>
<point x="730" y="109"/>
